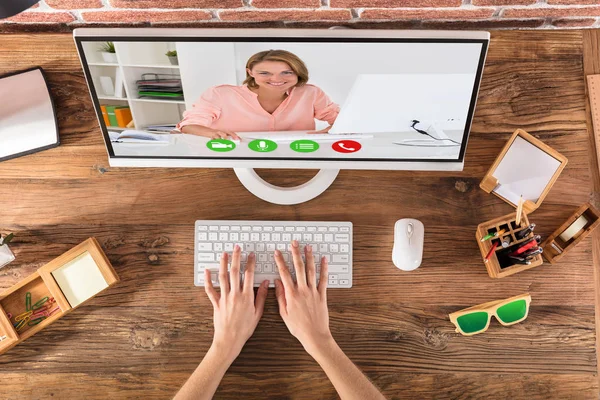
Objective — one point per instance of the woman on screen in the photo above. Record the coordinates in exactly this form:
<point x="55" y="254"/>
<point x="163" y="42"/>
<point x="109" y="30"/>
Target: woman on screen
<point x="274" y="96"/>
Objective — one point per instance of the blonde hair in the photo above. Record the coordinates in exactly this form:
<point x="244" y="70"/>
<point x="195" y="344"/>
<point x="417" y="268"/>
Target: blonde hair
<point x="295" y="63"/>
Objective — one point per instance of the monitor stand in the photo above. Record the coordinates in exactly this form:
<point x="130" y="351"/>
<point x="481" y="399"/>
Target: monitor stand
<point x="286" y="195"/>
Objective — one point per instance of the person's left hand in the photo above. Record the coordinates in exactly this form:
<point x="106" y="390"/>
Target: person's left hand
<point x="236" y="313"/>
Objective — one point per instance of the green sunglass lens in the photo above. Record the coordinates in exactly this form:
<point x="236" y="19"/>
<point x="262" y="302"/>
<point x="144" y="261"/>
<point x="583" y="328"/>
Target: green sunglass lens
<point x="513" y="311"/>
<point x="473" y="322"/>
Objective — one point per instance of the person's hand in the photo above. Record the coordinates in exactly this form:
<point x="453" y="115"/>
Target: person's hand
<point x="223" y="134"/>
<point x="325" y="130"/>
<point x="303" y="305"/>
<point x="236" y="313"/>
<point x="210" y="133"/>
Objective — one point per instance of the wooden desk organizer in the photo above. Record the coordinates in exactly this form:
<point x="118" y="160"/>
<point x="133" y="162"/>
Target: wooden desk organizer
<point x="507" y="222"/>
<point x="556" y="248"/>
<point x="41" y="284"/>
<point x="490" y="183"/>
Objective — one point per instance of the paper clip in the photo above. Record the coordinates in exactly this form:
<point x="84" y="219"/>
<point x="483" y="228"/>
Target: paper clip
<point x="28" y="301"/>
<point x="36" y="321"/>
<point x="21" y="324"/>
<point x="25" y="315"/>
<point x="40" y="303"/>
<point x="53" y="311"/>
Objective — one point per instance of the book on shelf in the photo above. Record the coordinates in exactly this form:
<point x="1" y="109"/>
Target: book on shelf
<point x="123" y="116"/>
<point x="105" y="115"/>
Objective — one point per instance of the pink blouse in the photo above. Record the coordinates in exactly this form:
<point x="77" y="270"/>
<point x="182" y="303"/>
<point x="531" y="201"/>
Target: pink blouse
<point x="236" y="108"/>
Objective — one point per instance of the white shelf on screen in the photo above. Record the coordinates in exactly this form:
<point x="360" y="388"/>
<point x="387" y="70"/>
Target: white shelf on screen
<point x="159" y="101"/>
<point x="151" y="66"/>
<point x="112" y="98"/>
<point x="104" y="64"/>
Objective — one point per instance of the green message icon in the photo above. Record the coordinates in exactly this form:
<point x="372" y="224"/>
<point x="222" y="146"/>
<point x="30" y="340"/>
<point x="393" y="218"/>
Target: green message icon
<point x="221" y="145"/>
<point x="304" y="146"/>
<point x="262" y="145"/>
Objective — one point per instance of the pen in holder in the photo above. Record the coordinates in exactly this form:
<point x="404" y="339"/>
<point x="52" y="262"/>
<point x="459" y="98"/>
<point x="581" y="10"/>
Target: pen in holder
<point x="499" y="240"/>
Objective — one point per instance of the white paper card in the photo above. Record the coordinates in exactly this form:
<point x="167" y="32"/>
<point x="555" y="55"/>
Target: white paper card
<point x="80" y="279"/>
<point x="525" y="170"/>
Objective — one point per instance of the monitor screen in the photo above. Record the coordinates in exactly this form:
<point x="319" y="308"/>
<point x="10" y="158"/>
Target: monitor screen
<point x="344" y="96"/>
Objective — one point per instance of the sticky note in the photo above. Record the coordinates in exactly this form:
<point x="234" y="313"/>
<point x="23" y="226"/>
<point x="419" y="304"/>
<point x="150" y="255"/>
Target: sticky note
<point x="80" y="279"/>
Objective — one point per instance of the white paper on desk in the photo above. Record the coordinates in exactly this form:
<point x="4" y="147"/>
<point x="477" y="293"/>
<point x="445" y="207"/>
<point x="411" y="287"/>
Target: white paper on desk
<point x="80" y="279"/>
<point x="525" y="170"/>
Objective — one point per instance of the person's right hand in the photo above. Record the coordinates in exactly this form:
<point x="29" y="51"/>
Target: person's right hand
<point x="223" y="134"/>
<point x="303" y="305"/>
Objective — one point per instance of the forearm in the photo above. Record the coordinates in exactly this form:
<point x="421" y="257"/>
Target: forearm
<point x="206" y="378"/>
<point x="348" y="380"/>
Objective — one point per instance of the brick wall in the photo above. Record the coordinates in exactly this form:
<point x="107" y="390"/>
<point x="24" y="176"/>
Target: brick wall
<point x="64" y="15"/>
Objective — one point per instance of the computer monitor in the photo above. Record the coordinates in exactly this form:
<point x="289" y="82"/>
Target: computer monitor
<point x="401" y="100"/>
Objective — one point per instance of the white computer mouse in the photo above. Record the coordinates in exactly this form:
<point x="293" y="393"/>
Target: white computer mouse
<point x="408" y="244"/>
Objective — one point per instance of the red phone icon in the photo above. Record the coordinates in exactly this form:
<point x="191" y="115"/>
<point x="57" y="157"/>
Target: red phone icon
<point x="346" y="146"/>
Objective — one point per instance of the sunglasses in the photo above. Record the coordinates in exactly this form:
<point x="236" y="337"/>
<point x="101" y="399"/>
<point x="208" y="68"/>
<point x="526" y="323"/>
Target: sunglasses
<point x="476" y="319"/>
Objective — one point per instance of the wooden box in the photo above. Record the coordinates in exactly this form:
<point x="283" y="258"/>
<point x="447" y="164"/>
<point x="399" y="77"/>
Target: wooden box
<point x="43" y="283"/>
<point x="529" y="172"/>
<point x="498" y="267"/>
<point x="556" y="247"/>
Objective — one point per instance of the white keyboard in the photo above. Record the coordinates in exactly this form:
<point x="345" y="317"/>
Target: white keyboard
<point x="332" y="240"/>
<point x="292" y="136"/>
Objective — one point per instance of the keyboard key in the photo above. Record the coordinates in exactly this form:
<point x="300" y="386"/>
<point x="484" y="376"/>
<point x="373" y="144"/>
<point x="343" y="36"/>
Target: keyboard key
<point x="334" y="229"/>
<point x="328" y="237"/>
<point x="307" y="237"/>
<point x="246" y="228"/>
<point x="270" y="246"/>
<point x="344" y="269"/>
<point x="297" y="236"/>
<point x="322" y="229"/>
<point x="311" y="229"/>
<point x="300" y="229"/>
<point x="279" y="229"/>
<point x="289" y="229"/>
<point x="213" y="236"/>
<point x="244" y="236"/>
<point x="333" y="276"/>
<point x="341" y="258"/>
<point x="333" y="282"/>
<point x="323" y="248"/>
<point x="202" y="227"/>
<point x="250" y="247"/>
<point x="344" y="229"/>
<point x="268" y="229"/>
<point x="236" y="228"/>
<point x="260" y="247"/>
<point x="255" y="237"/>
<point x="234" y="236"/>
<point x="224" y="227"/>
<point x="218" y="246"/>
<point x="202" y="236"/>
<point x="256" y="228"/>
<point x="228" y="246"/>
<point x="286" y="237"/>
<point x="204" y="247"/>
<point x="223" y="236"/>
<point x="265" y="237"/>
<point x="281" y="246"/>
<point x="203" y="257"/>
<point x="213" y="228"/>
<point x="342" y="237"/>
<point x="344" y="248"/>
<point x="276" y="237"/>
<point x="344" y="282"/>
<point x="318" y="237"/>
<point x="334" y="248"/>
<point x="262" y="257"/>
<point x="268" y="268"/>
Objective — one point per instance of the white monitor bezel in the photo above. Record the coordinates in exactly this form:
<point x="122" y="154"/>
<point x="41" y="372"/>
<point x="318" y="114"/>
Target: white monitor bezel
<point x="183" y="34"/>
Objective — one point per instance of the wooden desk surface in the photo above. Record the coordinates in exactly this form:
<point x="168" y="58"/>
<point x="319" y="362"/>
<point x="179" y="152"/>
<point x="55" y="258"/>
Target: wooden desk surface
<point x="144" y="337"/>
